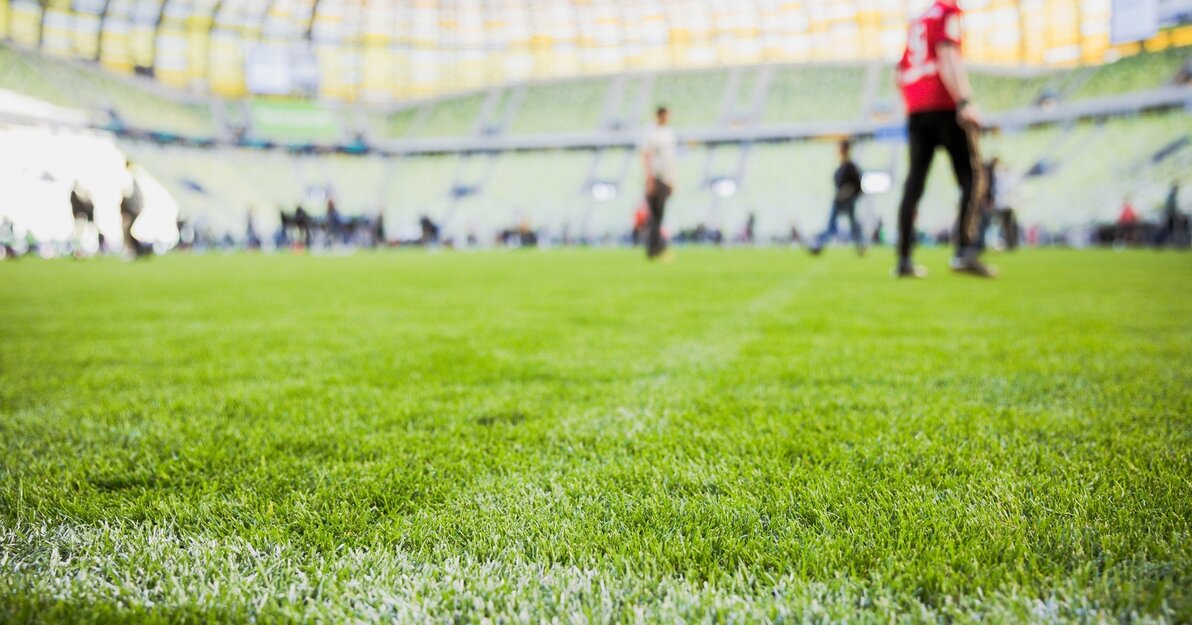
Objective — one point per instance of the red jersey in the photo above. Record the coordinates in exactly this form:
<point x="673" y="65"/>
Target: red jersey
<point x="918" y="73"/>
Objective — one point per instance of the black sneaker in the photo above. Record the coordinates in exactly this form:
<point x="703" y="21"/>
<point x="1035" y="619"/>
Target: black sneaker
<point x="910" y="270"/>
<point x="816" y="251"/>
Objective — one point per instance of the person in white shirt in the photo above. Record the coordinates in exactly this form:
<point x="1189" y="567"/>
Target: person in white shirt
<point x="658" y="156"/>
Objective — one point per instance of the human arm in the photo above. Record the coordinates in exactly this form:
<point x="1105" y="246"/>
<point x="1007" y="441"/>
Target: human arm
<point x="956" y="81"/>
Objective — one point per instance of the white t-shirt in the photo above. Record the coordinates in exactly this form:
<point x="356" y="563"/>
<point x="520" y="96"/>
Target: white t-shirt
<point x="1004" y="190"/>
<point x="661" y="143"/>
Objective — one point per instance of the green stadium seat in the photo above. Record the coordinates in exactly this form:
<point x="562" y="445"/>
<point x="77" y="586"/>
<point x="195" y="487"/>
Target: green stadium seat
<point x="561" y="107"/>
<point x="815" y="94"/>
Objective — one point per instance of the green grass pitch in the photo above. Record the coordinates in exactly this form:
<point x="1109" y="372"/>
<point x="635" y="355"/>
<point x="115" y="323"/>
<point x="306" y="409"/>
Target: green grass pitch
<point x="577" y="436"/>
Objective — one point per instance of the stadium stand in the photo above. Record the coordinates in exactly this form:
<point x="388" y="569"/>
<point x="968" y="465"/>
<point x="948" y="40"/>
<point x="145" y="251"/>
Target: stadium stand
<point x="541" y="189"/>
<point x="414" y="187"/>
<point x="836" y="95"/>
<point x="782" y="183"/>
<point x="446" y="118"/>
<point x="561" y="107"/>
<point x="792" y="94"/>
<point x="1133" y="73"/>
<point x="1001" y="92"/>
<point x="78" y="85"/>
<point x="695" y="98"/>
<point x="401" y="123"/>
<point x="354" y="182"/>
<point x="1102" y="163"/>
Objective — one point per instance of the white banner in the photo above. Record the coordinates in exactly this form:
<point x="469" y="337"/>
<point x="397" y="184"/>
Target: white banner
<point x="1134" y="20"/>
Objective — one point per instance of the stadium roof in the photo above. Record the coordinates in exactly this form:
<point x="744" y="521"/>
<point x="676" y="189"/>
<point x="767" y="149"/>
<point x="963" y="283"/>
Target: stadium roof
<point x="381" y="51"/>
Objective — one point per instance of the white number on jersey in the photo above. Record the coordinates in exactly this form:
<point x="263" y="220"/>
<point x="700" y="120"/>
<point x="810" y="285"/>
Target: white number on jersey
<point x="919" y="67"/>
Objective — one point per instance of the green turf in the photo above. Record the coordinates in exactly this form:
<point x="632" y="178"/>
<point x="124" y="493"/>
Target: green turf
<point x="742" y="436"/>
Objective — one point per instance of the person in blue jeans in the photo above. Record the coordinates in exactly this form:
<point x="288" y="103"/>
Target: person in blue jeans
<point x="848" y="190"/>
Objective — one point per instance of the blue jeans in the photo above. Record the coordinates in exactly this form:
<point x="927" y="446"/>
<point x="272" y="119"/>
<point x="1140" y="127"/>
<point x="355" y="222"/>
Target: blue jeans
<point x="842" y="207"/>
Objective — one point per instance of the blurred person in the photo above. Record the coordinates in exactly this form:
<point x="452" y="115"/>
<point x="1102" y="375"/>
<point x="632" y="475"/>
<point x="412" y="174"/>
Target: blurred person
<point x="252" y="240"/>
<point x="8" y="239"/>
<point x="302" y="222"/>
<point x="987" y="204"/>
<point x="335" y="223"/>
<point x="938" y="97"/>
<point x="81" y="205"/>
<point x="1008" y="222"/>
<point x="1003" y="202"/>
<point x="1126" y="227"/>
<point x="641" y="222"/>
<point x="130" y="208"/>
<point x="1170" y="225"/>
<point x="659" y="151"/>
<point x="86" y="239"/>
<point x="281" y="236"/>
<point x="526" y="236"/>
<point x="430" y="231"/>
<point x="378" y="229"/>
<point x="847" y="181"/>
<point x="794" y="236"/>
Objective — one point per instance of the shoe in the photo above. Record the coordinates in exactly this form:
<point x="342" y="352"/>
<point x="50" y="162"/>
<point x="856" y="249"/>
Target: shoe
<point x="816" y="251"/>
<point x="971" y="265"/>
<point x="910" y="270"/>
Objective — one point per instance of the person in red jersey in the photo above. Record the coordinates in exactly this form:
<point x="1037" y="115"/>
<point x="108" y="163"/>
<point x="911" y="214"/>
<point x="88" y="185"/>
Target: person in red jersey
<point x="940" y="113"/>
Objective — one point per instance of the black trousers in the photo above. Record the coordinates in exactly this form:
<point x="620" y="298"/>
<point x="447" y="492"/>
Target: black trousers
<point x="657" y="204"/>
<point x="925" y="133"/>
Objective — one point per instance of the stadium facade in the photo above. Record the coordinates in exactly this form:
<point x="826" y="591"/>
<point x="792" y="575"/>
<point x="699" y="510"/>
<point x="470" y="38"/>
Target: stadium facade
<point x="382" y="52"/>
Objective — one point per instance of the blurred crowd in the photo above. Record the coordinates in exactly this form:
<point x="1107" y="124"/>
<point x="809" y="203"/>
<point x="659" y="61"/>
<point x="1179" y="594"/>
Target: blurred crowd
<point x="143" y="220"/>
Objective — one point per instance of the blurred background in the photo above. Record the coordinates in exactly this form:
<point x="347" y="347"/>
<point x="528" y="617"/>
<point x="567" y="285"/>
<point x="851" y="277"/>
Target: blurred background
<point x="335" y="124"/>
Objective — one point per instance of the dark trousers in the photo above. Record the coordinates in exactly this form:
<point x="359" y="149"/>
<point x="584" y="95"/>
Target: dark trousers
<point x="983" y="224"/>
<point x="925" y="133"/>
<point x="657" y="204"/>
<point x="846" y="208"/>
